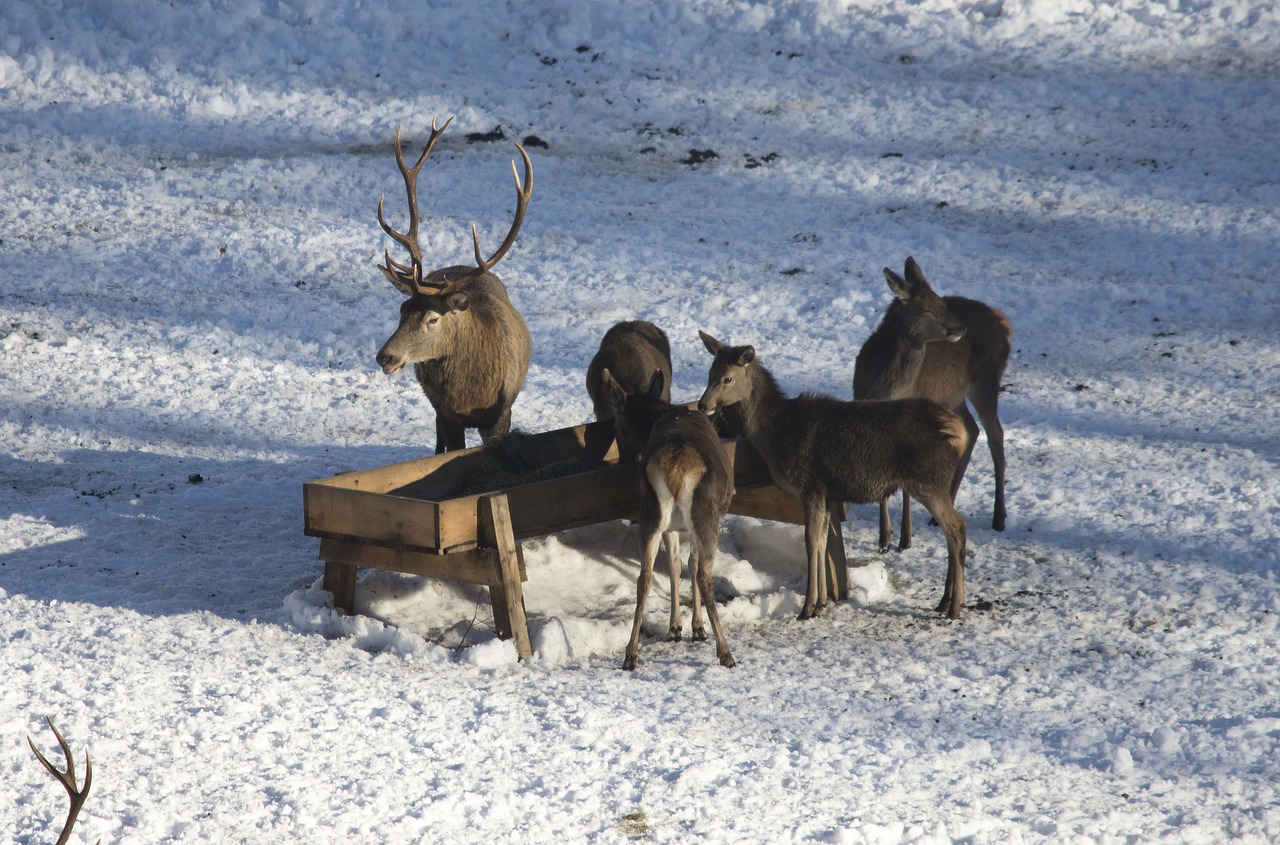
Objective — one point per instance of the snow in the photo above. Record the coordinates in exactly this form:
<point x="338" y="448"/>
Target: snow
<point x="189" y="309"/>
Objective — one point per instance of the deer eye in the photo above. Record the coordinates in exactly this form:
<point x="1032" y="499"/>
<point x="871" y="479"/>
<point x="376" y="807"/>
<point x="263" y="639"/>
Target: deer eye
<point x="433" y="319"/>
<point x="727" y="380"/>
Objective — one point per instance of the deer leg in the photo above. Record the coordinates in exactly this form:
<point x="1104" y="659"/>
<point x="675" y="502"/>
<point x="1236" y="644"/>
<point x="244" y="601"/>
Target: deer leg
<point x="904" y="537"/>
<point x="705" y="554"/>
<point x="649" y="553"/>
<point x="695" y="557"/>
<point x="985" y="403"/>
<point x="676" y="625"/>
<point x="953" y="527"/>
<point x="815" y="541"/>
<point x="451" y="434"/>
<point x="886" y="525"/>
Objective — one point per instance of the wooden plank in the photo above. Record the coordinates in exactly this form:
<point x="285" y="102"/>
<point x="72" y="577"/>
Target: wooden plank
<point x="472" y="567"/>
<point x="767" y="503"/>
<point x="390" y="477"/>
<point x="361" y="515"/>
<point x="340" y="579"/>
<point x="505" y="589"/>
<point x="749" y="467"/>
<point x="584" y="499"/>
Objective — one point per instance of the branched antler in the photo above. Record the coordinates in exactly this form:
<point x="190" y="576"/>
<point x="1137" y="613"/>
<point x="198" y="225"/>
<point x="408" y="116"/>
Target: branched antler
<point x="67" y="779"/>
<point x="410" y="277"/>
<point x="523" y="192"/>
<point x="408" y="274"/>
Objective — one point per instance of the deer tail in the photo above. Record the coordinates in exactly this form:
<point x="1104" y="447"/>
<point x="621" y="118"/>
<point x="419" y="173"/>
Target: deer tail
<point x="678" y="473"/>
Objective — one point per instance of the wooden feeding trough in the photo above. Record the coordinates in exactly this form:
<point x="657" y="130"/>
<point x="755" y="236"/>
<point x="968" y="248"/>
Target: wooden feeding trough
<point x="461" y="516"/>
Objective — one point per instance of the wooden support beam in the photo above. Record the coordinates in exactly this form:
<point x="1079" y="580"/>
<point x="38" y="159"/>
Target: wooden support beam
<point x="505" y="589"/>
<point x="340" y="579"/>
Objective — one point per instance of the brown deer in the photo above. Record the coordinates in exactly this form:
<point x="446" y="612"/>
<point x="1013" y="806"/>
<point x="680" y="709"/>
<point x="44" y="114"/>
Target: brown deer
<point x="685" y="483"/>
<point x="819" y="448"/>
<point x="67" y="779"/>
<point x="632" y="351"/>
<point x="944" y="349"/>
<point x="468" y="345"/>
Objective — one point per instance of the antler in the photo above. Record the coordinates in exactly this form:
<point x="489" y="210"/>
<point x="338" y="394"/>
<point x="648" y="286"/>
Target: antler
<point x="67" y="779"/>
<point x="523" y="192"/>
<point x="408" y="274"/>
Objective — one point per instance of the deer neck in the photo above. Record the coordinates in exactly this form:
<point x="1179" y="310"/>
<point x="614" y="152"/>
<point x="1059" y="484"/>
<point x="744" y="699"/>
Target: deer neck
<point x="761" y="409"/>
<point x="902" y="372"/>
<point x="889" y="363"/>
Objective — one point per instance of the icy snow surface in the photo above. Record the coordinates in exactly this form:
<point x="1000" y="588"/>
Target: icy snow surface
<point x="189" y="308"/>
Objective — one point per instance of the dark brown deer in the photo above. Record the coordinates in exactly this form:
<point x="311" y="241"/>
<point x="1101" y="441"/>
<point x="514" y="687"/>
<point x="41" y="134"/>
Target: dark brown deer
<point x="819" y="448"/>
<point x="685" y="483"/>
<point x="632" y="351"/>
<point x="944" y="349"/>
<point x="468" y="345"/>
<point x="67" y="779"/>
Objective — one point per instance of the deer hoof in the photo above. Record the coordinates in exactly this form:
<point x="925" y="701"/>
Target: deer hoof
<point x="673" y="635"/>
<point x="727" y="661"/>
<point x="629" y="664"/>
<point x="700" y="634"/>
<point x="811" y="612"/>
<point x="949" y="607"/>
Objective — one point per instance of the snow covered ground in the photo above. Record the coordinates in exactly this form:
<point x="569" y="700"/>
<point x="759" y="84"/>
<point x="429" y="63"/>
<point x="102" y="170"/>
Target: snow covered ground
<point x="189" y="308"/>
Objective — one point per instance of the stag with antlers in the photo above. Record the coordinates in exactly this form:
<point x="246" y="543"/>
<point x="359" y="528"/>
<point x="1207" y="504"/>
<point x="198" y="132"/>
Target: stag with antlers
<point x="468" y="345"/>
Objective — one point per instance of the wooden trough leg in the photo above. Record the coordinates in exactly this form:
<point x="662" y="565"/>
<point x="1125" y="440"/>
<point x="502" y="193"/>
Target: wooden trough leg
<point x="837" y="564"/>
<point x="505" y="590"/>
<point x="340" y="579"/>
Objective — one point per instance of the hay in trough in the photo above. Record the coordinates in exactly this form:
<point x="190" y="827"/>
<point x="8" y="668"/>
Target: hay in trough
<point x="514" y="459"/>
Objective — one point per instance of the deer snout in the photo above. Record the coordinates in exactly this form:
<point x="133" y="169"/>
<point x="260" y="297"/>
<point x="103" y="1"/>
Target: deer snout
<point x="707" y="406"/>
<point x="390" y="364"/>
<point x="955" y="334"/>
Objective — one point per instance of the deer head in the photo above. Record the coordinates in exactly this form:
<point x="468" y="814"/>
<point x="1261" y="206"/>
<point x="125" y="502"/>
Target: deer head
<point x="925" y="318"/>
<point x="429" y="318"/>
<point x="728" y="381"/>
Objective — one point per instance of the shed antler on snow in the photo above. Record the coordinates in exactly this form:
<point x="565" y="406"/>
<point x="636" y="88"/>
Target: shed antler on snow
<point x="67" y="779"/>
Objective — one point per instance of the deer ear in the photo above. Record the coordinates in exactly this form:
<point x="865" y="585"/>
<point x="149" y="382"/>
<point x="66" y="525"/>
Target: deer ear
<point x="746" y="355"/>
<point x="897" y="284"/>
<point x="914" y="274"/>
<point x="457" y="301"/>
<point x="713" y="346"/>
<point x="613" y="391"/>
<point x="656" y="384"/>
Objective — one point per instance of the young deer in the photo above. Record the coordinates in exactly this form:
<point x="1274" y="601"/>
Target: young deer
<point x="819" y="448"/>
<point x="468" y="345"/>
<point x="686" y="484"/>
<point x="944" y="349"/>
<point x="632" y="351"/>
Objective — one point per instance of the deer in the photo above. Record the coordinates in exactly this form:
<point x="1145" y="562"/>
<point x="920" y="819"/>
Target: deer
<point x="468" y="345"/>
<point x="67" y="779"/>
<point x="632" y="351"/>
<point x="942" y="348"/>
<point x="819" y="448"/>
<point x="685" y="483"/>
